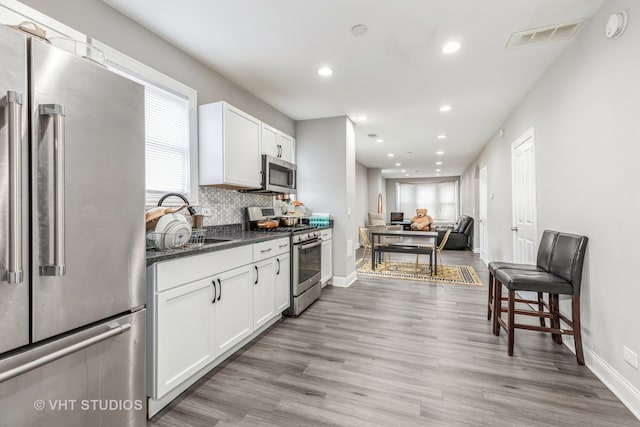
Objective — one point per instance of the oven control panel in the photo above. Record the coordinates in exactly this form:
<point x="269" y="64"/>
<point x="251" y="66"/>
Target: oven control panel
<point x="303" y="237"/>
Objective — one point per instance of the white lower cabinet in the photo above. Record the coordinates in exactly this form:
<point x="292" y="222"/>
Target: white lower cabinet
<point x="283" y="282"/>
<point x="204" y="307"/>
<point x="233" y="308"/>
<point x="186" y="343"/>
<point x="326" y="265"/>
<point x="263" y="292"/>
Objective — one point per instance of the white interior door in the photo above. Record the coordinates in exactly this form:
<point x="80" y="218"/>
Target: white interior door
<point x="482" y="214"/>
<point x="523" y="175"/>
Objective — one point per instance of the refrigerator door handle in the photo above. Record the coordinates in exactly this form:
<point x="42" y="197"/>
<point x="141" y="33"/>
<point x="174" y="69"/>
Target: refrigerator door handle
<point x="56" y="264"/>
<point x="36" y="363"/>
<point x="14" y="130"/>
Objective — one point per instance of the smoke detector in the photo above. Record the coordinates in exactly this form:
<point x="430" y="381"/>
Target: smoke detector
<point x="546" y="34"/>
<point x="616" y="24"/>
<point x="359" y="30"/>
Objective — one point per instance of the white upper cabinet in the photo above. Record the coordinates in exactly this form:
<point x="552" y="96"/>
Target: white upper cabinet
<point x="229" y="147"/>
<point x="277" y="144"/>
<point x="270" y="141"/>
<point x="286" y="147"/>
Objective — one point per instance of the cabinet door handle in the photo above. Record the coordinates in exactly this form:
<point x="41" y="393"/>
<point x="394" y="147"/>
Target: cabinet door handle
<point x="219" y="293"/>
<point x="278" y="261"/>
<point x="256" y="267"/>
<point x="264" y="251"/>
<point x="213" y="285"/>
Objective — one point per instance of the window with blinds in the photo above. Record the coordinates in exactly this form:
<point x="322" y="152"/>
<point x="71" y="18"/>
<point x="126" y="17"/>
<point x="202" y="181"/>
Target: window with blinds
<point x="167" y="140"/>
<point x="441" y="199"/>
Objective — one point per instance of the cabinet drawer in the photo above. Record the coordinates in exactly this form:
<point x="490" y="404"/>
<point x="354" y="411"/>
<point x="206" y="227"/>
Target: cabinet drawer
<point x="172" y="273"/>
<point x="270" y="248"/>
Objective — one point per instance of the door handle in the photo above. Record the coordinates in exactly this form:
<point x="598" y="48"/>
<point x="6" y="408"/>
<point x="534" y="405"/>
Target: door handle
<point x="55" y="259"/>
<point x="514" y="228"/>
<point x="278" y="261"/>
<point x="220" y="292"/>
<point x="256" y="267"/>
<point x="36" y="363"/>
<point x="14" y="130"/>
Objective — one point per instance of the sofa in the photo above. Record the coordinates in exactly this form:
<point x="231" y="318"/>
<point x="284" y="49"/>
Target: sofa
<point x="461" y="236"/>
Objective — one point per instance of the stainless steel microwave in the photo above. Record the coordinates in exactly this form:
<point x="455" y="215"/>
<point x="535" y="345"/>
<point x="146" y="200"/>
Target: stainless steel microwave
<point x="278" y="176"/>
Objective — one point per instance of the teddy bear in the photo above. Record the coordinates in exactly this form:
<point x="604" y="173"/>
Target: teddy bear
<point x="422" y="221"/>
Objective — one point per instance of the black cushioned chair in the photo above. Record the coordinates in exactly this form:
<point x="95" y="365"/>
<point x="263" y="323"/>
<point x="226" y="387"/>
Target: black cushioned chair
<point x="562" y="277"/>
<point x="461" y="234"/>
<point x="544" y="257"/>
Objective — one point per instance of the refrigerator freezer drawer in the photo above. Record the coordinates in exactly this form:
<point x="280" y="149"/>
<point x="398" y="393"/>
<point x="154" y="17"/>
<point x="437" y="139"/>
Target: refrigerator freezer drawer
<point x="98" y="381"/>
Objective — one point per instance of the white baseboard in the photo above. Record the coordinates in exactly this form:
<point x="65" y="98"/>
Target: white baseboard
<point x="476" y="250"/>
<point x="344" y="282"/>
<point x="623" y="389"/>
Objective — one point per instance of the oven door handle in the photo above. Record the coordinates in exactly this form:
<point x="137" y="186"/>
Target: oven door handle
<point x="310" y="245"/>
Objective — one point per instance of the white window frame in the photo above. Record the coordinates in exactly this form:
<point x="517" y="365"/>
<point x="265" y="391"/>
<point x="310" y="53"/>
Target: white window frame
<point x="163" y="81"/>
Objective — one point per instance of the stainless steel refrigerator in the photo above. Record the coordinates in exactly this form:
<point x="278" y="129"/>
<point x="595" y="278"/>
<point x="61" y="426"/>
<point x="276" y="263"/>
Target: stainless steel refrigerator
<point x="72" y="298"/>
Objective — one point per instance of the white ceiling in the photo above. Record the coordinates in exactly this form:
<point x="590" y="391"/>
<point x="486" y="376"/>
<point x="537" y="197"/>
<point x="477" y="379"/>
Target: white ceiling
<point x="396" y="73"/>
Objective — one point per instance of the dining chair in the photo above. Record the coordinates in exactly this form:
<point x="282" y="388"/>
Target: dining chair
<point x="440" y="247"/>
<point x="562" y="277"/>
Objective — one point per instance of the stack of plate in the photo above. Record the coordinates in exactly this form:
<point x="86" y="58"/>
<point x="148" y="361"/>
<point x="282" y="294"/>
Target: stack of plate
<point x="172" y="232"/>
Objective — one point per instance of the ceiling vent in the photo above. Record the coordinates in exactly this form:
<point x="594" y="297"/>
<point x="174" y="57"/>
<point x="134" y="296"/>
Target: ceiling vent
<point x="548" y="34"/>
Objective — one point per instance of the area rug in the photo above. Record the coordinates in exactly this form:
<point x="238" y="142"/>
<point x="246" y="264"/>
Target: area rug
<point x="448" y="274"/>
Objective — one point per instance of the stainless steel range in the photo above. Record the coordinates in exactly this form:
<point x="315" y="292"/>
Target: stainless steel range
<point x="305" y="254"/>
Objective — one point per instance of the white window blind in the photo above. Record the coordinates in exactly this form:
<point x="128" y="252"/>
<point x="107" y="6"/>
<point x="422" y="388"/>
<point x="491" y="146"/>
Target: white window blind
<point x="167" y="152"/>
<point x="170" y="129"/>
<point x="439" y="198"/>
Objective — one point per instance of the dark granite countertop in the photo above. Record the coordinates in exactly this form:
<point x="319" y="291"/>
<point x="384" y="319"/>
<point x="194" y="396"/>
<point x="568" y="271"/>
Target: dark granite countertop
<point x="233" y="239"/>
<point x="232" y="234"/>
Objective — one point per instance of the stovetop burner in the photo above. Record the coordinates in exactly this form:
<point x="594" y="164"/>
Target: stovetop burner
<point x="295" y="229"/>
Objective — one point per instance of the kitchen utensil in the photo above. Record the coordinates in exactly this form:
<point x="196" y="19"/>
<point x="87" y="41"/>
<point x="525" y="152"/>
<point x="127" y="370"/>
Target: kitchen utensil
<point x="289" y="221"/>
<point x="198" y="221"/>
<point x="268" y="224"/>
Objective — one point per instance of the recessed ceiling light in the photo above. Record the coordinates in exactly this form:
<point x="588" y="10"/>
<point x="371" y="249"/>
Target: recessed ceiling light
<point x="438" y="163"/>
<point x="437" y="174"/>
<point x="397" y="164"/>
<point x="362" y="118"/>
<point x="390" y="154"/>
<point x="438" y="170"/>
<point x="406" y="174"/>
<point x="380" y="140"/>
<point x="403" y="170"/>
<point x="440" y="153"/>
<point x="445" y="108"/>
<point x="325" y="71"/>
<point x="451" y="47"/>
<point x="442" y="136"/>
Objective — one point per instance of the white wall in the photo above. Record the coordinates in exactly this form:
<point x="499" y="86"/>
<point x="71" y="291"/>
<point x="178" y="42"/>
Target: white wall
<point x="327" y="183"/>
<point x="586" y="115"/>
<point x="100" y="21"/>
<point x="362" y="191"/>
<point x="376" y="185"/>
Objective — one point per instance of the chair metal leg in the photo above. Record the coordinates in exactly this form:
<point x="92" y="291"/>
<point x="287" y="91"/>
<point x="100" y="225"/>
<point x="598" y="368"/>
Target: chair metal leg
<point x="577" y="335"/>
<point x="511" y="314"/>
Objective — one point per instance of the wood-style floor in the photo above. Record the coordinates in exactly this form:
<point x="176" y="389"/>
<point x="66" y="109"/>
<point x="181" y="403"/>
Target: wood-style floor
<point x="398" y="353"/>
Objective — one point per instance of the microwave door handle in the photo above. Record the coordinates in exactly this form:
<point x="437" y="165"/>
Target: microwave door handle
<point x="14" y="131"/>
<point x="56" y="258"/>
<point x="293" y="176"/>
